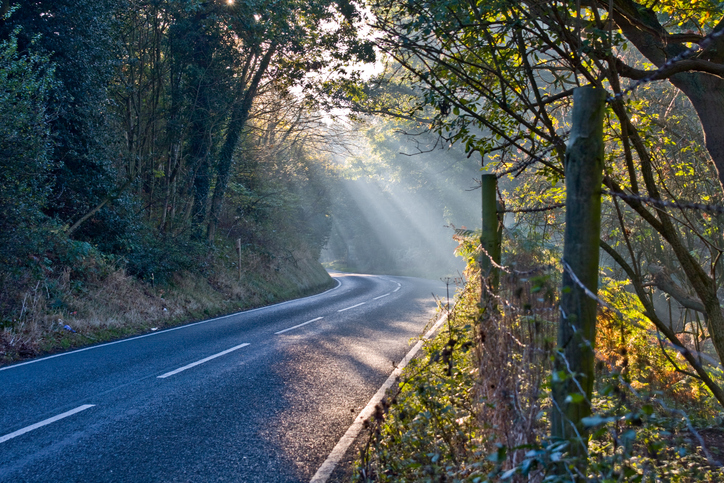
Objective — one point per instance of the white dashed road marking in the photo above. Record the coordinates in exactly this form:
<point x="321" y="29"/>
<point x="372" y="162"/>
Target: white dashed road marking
<point x="342" y="310"/>
<point x="45" y="422"/>
<point x="206" y="359"/>
<point x="297" y="326"/>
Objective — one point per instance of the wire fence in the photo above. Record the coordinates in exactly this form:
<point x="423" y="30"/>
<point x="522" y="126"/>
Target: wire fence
<point x="536" y="209"/>
<point x="602" y="303"/>
<point x="567" y="268"/>
<point x="674" y="344"/>
<point x="658" y="203"/>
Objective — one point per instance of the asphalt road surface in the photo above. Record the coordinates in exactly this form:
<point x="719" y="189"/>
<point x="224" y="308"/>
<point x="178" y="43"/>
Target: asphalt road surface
<point x="262" y="395"/>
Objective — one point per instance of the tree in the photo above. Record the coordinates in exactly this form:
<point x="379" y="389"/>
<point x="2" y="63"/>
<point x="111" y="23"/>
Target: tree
<point x="25" y="150"/>
<point x="284" y="43"/>
<point x="662" y="31"/>
<point x="191" y="75"/>
<point x="279" y="188"/>
<point x="500" y="76"/>
<point x="77" y="37"/>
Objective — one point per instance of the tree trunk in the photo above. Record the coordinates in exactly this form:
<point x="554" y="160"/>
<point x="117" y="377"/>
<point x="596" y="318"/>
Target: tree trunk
<point x="239" y="116"/>
<point x="109" y="198"/>
<point x="650" y="313"/>
<point x="706" y="94"/>
<point x="201" y="148"/>
<point x="642" y="28"/>
<point x="703" y="283"/>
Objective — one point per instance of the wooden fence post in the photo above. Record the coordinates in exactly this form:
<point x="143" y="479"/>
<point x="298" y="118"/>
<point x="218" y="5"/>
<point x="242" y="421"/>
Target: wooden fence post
<point x="238" y="252"/>
<point x="490" y="238"/>
<point x="573" y="370"/>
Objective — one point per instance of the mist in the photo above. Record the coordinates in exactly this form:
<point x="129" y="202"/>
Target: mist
<point x="396" y="208"/>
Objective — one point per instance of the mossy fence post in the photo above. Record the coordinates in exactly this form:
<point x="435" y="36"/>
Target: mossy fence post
<point x="490" y="237"/>
<point x="573" y="370"/>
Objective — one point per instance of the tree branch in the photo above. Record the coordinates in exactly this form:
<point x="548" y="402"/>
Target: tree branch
<point x="650" y="314"/>
<point x="688" y="65"/>
<point x="98" y="207"/>
<point x="663" y="281"/>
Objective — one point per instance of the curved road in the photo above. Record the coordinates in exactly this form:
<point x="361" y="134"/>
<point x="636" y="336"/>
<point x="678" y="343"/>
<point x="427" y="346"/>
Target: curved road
<point x="262" y="395"/>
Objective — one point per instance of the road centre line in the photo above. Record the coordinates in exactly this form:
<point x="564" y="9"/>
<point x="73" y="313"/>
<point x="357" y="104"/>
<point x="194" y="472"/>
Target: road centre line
<point x="398" y="288"/>
<point x="206" y="359"/>
<point x="45" y="422"/>
<point x="297" y="326"/>
<point x="385" y="295"/>
<point x="342" y="310"/>
<point x="324" y="471"/>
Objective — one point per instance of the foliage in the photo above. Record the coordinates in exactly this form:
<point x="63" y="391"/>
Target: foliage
<point x="193" y="76"/>
<point x="25" y="151"/>
<point x="100" y="302"/>
<point x="642" y="355"/>
<point x="428" y="429"/>
<point x="497" y="78"/>
<point x="153" y="134"/>
<point x="457" y="417"/>
<point x="158" y="258"/>
<point x="82" y="54"/>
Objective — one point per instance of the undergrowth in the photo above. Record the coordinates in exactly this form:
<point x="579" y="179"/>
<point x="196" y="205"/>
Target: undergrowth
<point x="474" y="407"/>
<point x="93" y="298"/>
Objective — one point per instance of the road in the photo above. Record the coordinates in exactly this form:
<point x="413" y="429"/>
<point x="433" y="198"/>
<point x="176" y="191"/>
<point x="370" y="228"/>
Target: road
<point x="262" y="395"/>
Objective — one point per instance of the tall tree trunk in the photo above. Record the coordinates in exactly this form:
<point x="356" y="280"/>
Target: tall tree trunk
<point x="200" y="152"/>
<point x="236" y="125"/>
<point x="642" y="28"/>
<point x="706" y="94"/>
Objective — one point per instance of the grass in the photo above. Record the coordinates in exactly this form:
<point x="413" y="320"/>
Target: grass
<point x="58" y="314"/>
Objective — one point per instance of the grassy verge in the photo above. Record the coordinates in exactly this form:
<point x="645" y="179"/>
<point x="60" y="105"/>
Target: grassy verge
<point x="427" y="430"/>
<point x="474" y="408"/>
<point x="58" y="313"/>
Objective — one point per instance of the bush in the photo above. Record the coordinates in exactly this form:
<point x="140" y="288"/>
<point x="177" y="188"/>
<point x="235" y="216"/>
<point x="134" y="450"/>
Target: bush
<point x="481" y="415"/>
<point x="24" y="151"/>
<point x="156" y="258"/>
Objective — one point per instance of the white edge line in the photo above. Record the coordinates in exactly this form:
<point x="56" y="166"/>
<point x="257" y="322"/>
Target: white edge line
<point x="398" y="288"/>
<point x="385" y="295"/>
<point x="297" y="326"/>
<point x="169" y="330"/>
<point x="205" y="359"/>
<point x="45" y="422"/>
<point x="324" y="471"/>
<point x="354" y="306"/>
